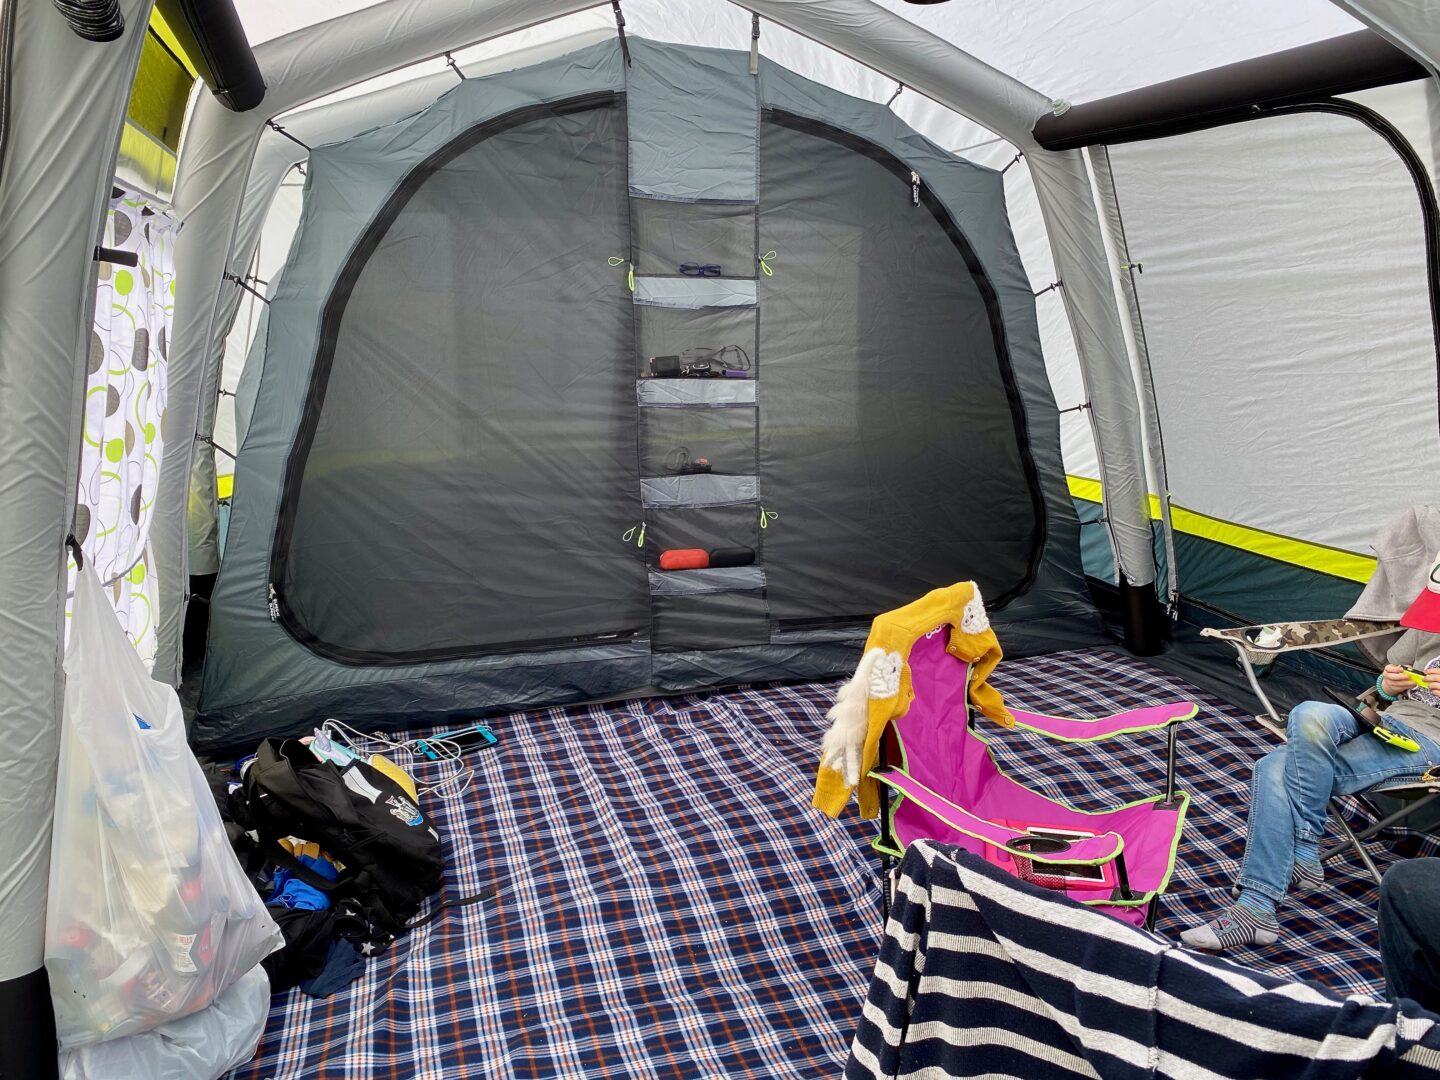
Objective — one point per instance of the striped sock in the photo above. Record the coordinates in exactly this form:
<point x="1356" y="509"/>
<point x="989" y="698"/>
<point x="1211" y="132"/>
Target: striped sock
<point x="1240" y="924"/>
<point x="1307" y="875"/>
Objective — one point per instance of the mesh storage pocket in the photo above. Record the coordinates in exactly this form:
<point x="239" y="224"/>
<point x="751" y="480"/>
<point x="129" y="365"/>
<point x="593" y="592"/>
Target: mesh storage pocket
<point x="716" y="236"/>
<point x="708" y="528"/>
<point x="713" y="621"/>
<point x="727" y="334"/>
<point x="677" y="441"/>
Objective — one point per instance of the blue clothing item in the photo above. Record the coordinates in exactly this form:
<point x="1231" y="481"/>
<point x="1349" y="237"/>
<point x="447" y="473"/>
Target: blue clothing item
<point x="291" y="892"/>
<point x="343" y="966"/>
<point x="1329" y="752"/>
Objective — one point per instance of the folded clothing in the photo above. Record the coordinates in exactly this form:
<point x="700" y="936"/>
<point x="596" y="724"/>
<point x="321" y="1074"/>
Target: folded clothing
<point x="289" y="891"/>
<point x="343" y="966"/>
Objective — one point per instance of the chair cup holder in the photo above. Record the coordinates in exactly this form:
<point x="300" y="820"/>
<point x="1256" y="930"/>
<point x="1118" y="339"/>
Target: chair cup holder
<point x="1039" y="845"/>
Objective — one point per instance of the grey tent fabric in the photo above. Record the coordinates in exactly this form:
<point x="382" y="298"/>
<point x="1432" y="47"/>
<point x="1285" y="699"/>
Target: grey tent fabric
<point x="249" y="384"/>
<point x="473" y="499"/>
<point x="317" y="60"/>
<point x="882" y="354"/>
<point x="460" y="473"/>
<point x="694" y="292"/>
<point x="62" y="133"/>
<point x="687" y="145"/>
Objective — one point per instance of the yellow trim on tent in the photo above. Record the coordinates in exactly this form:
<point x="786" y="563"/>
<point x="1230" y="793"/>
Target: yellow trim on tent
<point x="224" y="486"/>
<point x="167" y="35"/>
<point x="1326" y="560"/>
<point x="147" y="159"/>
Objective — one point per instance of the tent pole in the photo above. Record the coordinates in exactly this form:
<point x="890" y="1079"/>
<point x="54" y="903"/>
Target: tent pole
<point x="66" y="105"/>
<point x="1142" y="618"/>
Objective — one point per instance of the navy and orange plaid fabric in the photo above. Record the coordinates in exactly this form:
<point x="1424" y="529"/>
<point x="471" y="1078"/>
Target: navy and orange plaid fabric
<point x="670" y="905"/>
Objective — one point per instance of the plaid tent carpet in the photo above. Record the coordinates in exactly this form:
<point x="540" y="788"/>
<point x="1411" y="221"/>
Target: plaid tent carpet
<point x="670" y="906"/>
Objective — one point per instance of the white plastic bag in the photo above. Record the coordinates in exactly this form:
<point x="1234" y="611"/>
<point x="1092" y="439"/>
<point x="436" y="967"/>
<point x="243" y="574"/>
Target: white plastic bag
<point x="150" y="916"/>
<point x="202" y="1046"/>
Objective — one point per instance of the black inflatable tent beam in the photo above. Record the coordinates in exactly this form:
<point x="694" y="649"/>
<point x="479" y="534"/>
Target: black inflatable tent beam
<point x="210" y="33"/>
<point x="1340" y="65"/>
<point x="1299" y="77"/>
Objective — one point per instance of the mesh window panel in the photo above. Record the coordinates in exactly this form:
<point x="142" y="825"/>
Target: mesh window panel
<point x="891" y="435"/>
<point x="466" y="463"/>
<point x="669" y="235"/>
<point x="674" y="441"/>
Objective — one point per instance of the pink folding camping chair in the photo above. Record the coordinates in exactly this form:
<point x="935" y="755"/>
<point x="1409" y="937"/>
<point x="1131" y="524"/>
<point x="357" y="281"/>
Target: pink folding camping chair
<point x="948" y="787"/>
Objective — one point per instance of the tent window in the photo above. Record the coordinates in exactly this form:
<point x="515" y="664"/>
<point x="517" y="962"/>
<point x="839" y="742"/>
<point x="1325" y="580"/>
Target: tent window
<point x="162" y="87"/>
<point x="892" y="439"/>
<point x="466" y="459"/>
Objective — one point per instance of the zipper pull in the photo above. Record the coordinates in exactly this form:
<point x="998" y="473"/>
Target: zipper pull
<point x="635" y="532"/>
<point x="767" y="516"/>
<point x="914" y="188"/>
<point x="274" y="604"/>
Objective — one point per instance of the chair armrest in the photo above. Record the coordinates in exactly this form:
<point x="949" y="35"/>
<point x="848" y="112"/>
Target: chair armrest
<point x="1092" y="729"/>
<point x="1294" y="636"/>
<point x="1097" y="849"/>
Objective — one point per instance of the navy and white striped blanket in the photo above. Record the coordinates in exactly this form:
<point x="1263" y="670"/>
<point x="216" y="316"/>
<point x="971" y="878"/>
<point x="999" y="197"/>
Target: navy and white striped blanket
<point x="982" y="975"/>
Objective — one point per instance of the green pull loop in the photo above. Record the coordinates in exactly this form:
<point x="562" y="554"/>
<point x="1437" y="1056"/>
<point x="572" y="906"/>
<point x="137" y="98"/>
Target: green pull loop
<point x="615" y="260"/>
<point x="765" y="263"/>
<point x="767" y="516"/>
<point x="635" y="532"/>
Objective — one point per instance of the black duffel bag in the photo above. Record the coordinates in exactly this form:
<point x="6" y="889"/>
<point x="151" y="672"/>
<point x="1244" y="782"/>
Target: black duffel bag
<point x="360" y="817"/>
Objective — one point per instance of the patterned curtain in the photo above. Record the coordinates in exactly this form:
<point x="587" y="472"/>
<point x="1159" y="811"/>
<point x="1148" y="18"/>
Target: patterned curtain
<point x="124" y="433"/>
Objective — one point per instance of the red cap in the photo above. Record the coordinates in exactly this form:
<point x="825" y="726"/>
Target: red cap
<point x="1424" y="613"/>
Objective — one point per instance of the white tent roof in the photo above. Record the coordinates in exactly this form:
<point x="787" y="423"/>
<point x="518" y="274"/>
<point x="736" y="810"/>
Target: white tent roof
<point x="1076" y="49"/>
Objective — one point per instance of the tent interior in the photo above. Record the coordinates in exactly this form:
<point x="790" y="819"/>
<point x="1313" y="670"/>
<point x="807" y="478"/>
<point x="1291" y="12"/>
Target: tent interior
<point x="579" y="381"/>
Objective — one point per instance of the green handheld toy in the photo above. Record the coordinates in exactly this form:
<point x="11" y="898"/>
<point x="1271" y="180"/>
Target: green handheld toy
<point x="1417" y="677"/>
<point x="1394" y="738"/>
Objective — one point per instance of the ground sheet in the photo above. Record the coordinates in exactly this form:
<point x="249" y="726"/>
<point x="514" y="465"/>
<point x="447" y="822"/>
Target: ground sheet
<point x="669" y="904"/>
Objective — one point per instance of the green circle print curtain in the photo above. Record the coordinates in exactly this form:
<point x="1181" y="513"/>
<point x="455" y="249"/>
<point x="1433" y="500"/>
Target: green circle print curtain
<point x="124" y="423"/>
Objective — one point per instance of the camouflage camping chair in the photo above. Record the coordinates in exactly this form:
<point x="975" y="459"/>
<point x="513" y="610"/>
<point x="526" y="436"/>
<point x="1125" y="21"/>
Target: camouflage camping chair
<point x="1258" y="647"/>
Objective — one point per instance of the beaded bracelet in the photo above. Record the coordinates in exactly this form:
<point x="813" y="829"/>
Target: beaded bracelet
<point x="1380" y="689"/>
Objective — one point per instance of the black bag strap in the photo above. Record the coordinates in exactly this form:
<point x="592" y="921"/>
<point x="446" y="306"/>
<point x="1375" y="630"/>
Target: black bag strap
<point x="281" y="857"/>
<point x="465" y="901"/>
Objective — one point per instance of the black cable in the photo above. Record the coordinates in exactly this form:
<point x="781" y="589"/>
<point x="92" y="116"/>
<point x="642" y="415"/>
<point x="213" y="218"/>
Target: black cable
<point x="702" y="353"/>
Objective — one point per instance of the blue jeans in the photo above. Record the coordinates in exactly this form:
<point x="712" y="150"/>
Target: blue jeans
<point x="1328" y="753"/>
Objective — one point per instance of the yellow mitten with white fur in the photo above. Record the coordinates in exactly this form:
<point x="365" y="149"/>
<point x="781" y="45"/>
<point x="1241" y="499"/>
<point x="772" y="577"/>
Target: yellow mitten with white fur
<point x="880" y="690"/>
